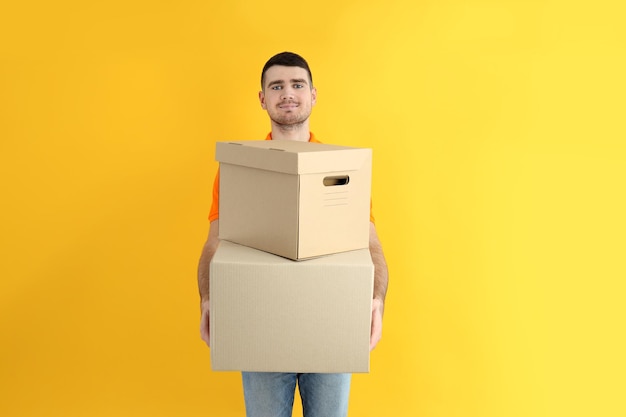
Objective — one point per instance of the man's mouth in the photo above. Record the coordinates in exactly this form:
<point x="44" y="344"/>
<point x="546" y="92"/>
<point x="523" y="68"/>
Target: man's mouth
<point x="288" y="106"/>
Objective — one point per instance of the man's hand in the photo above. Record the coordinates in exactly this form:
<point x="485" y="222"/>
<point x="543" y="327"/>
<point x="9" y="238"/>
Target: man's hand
<point x="377" y="323"/>
<point x="204" y="324"/>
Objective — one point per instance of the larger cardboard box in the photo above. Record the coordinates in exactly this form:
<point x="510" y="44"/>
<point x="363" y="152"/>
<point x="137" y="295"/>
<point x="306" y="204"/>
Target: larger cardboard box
<point x="294" y="199"/>
<point x="272" y="314"/>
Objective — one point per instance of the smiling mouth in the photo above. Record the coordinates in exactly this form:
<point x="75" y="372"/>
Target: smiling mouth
<point x="288" y="106"/>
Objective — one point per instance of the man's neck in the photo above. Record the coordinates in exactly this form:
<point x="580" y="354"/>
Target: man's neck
<point x="298" y="133"/>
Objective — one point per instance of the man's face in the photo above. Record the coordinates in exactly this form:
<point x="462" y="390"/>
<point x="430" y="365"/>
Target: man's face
<point x="287" y="95"/>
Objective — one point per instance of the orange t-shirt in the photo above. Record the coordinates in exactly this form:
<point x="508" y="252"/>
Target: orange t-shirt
<point x="214" y="214"/>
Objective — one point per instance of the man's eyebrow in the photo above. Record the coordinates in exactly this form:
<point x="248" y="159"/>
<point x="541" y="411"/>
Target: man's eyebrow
<point x="293" y="80"/>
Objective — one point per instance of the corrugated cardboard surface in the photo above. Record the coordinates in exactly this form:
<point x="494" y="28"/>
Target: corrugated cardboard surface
<point x="271" y="314"/>
<point x="275" y="200"/>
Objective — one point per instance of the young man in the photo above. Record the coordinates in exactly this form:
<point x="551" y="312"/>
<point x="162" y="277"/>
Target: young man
<point x="288" y="96"/>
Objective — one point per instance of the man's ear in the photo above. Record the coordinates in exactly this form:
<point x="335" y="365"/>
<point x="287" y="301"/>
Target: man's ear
<point x="262" y="100"/>
<point x="313" y="95"/>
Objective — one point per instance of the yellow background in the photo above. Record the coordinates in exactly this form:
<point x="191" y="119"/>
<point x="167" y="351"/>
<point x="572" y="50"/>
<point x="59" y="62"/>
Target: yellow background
<point x="499" y="167"/>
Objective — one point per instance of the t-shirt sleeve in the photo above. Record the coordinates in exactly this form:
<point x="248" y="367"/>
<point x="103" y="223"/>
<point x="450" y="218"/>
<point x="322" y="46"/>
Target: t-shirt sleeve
<point x="214" y="214"/>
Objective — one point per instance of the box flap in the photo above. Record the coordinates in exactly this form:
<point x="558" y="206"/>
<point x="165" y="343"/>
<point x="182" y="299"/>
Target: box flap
<point x="292" y="157"/>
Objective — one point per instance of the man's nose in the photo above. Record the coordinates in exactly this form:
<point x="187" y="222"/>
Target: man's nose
<point x="287" y="93"/>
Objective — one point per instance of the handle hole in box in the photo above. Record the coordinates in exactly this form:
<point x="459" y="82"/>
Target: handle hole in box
<point x="336" y="180"/>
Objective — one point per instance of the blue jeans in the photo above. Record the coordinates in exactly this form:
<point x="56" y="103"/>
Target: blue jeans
<point x="271" y="394"/>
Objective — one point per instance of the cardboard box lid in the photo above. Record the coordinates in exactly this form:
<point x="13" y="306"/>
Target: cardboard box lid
<point x="231" y="253"/>
<point x="292" y="157"/>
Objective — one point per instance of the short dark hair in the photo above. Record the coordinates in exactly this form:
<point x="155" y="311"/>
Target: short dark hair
<point x="287" y="59"/>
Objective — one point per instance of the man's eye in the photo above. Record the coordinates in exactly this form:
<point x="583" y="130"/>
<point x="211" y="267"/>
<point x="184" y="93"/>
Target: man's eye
<point x="277" y="87"/>
<point x="298" y="86"/>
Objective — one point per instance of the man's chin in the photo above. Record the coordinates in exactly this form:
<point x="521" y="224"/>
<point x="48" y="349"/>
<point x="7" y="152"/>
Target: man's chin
<point x="289" y="122"/>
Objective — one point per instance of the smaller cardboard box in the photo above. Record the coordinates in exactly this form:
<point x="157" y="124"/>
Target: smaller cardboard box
<point x="272" y="314"/>
<point x="294" y="199"/>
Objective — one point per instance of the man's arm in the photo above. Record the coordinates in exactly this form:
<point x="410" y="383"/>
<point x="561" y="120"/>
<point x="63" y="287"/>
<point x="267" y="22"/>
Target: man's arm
<point x="380" y="286"/>
<point x="203" y="278"/>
